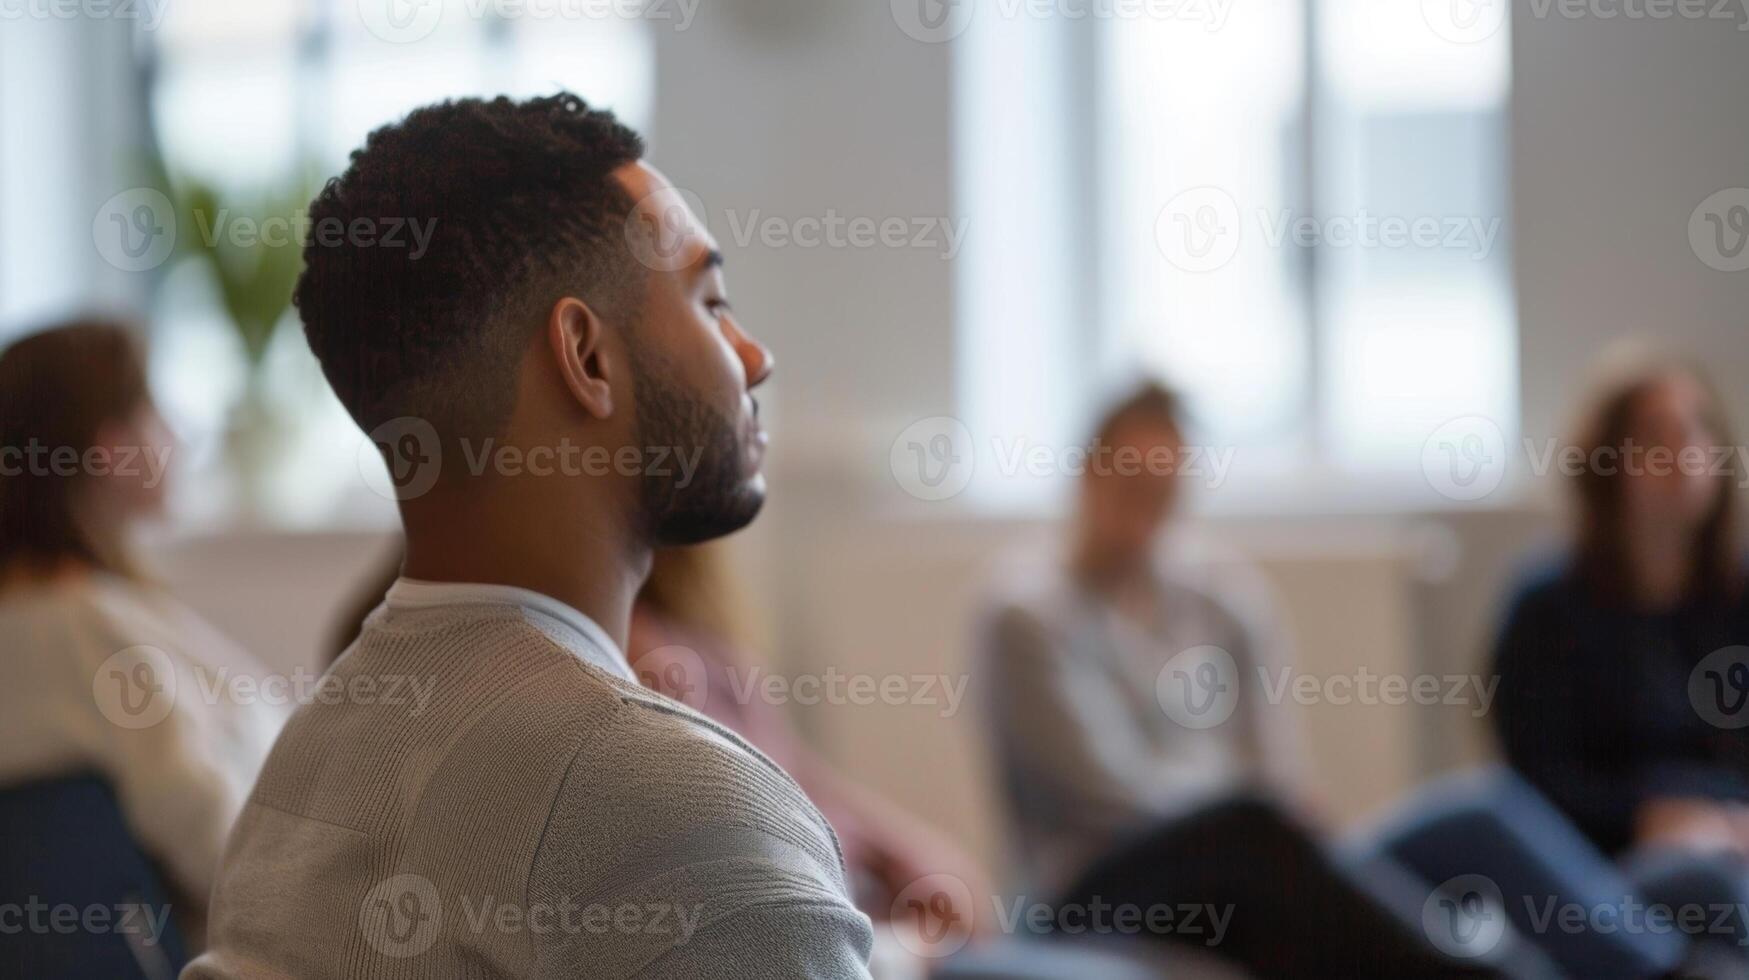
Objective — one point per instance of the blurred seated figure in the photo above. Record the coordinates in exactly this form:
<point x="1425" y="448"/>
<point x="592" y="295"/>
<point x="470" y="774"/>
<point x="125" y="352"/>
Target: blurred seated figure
<point x="109" y="688"/>
<point x="1624" y="669"/>
<point x="1139" y="759"/>
<point x="683" y="643"/>
<point x="1604" y="699"/>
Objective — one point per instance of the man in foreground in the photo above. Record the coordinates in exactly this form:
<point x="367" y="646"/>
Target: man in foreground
<point x="558" y="385"/>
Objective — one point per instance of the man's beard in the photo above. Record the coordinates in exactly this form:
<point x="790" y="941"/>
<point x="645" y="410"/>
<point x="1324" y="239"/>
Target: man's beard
<point x="700" y="442"/>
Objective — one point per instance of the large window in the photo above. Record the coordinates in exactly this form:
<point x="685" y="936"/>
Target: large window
<point x="1293" y="210"/>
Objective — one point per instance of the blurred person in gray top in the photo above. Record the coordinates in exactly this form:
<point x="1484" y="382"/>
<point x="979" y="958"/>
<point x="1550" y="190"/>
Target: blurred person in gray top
<point x="1140" y="761"/>
<point x="1119" y="666"/>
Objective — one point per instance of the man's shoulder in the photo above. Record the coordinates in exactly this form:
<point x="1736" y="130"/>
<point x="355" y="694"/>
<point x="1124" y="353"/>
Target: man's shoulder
<point x="605" y="802"/>
<point x="668" y="810"/>
<point x="656" y="749"/>
<point x="417" y="713"/>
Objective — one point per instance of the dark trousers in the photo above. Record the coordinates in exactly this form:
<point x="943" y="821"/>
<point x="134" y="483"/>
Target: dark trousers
<point x="1291" y="912"/>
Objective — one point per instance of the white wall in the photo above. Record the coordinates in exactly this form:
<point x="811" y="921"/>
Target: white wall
<point x="1619" y="129"/>
<point x="793" y="108"/>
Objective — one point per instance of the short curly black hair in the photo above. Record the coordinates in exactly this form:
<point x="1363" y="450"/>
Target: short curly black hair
<point x="520" y="206"/>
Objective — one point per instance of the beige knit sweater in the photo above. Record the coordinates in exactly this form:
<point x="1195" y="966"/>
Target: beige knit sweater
<point x="535" y="814"/>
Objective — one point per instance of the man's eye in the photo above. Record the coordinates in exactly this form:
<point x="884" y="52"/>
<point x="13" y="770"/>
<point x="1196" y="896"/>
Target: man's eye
<point x="717" y="306"/>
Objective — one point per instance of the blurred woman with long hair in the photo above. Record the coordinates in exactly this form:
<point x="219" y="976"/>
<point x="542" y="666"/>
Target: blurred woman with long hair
<point x="102" y="673"/>
<point x="1599" y="705"/>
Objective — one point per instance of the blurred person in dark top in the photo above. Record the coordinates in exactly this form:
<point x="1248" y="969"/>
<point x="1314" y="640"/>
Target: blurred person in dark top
<point x="1620" y="695"/>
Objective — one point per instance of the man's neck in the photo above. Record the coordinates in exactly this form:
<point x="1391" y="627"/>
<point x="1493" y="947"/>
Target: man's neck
<point x="588" y="562"/>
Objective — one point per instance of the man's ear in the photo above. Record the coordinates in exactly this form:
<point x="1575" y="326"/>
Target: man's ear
<point x="577" y="336"/>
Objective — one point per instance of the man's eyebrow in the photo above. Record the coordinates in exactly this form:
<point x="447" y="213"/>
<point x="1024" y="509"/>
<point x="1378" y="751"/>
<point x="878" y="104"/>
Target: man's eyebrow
<point x="700" y="269"/>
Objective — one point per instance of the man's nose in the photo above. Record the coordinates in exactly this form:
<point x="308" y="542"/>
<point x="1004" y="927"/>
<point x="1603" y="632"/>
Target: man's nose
<point x="756" y="358"/>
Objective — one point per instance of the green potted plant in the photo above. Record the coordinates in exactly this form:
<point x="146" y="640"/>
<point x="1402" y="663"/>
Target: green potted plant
<point x="252" y="246"/>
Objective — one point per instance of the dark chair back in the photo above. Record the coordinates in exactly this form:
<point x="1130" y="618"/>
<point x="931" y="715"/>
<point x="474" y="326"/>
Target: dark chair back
<point x="88" y="901"/>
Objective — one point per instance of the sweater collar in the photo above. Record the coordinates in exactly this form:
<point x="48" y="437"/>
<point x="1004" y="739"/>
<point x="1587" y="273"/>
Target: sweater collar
<point x="543" y="610"/>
